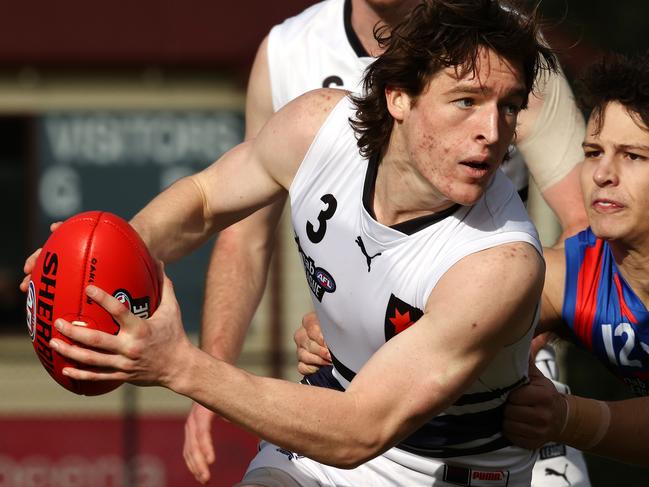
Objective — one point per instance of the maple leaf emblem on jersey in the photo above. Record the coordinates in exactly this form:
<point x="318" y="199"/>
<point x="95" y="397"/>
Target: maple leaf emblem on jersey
<point x="399" y="316"/>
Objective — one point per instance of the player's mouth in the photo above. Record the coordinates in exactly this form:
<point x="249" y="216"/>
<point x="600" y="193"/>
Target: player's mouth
<point x="605" y="205"/>
<point x="477" y="168"/>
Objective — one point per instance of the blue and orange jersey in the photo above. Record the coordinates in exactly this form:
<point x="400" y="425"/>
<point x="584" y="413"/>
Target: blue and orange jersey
<point x="604" y="313"/>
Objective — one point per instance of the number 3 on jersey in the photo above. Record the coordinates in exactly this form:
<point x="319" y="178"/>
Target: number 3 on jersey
<point x="316" y="235"/>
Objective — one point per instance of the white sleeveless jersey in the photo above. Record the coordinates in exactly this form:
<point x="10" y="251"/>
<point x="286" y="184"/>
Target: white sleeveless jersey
<point x="369" y="282"/>
<point x="321" y="42"/>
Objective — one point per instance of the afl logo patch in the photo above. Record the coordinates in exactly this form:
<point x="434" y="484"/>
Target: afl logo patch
<point x="326" y="281"/>
<point x="31" y="310"/>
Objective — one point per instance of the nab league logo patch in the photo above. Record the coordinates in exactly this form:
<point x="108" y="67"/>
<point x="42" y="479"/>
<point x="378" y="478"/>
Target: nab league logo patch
<point x="399" y="316"/>
<point x="320" y="281"/>
<point x="31" y="310"/>
<point x="138" y="306"/>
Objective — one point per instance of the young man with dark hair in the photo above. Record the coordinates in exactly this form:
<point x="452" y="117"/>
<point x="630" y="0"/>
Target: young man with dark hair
<point x="450" y="242"/>
<point x="597" y="289"/>
<point x="329" y="45"/>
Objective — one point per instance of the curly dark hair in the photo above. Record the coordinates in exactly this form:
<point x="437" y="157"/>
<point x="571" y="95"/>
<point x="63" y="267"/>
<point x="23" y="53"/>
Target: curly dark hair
<point x="616" y="78"/>
<point x="438" y="34"/>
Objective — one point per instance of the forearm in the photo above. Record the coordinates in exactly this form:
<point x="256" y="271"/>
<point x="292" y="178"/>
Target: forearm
<point x="617" y="429"/>
<point x="326" y="425"/>
<point x="175" y="222"/>
<point x="235" y="283"/>
<point x="236" y="278"/>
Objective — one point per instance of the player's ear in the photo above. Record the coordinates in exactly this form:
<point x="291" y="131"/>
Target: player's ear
<point x="398" y="102"/>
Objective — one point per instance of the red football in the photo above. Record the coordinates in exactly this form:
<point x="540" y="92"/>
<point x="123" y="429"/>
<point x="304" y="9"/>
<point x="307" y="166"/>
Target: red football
<point x="97" y="248"/>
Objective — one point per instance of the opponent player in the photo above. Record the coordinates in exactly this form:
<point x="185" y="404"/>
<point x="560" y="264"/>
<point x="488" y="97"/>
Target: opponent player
<point x="413" y="183"/>
<point x="597" y="290"/>
<point x="329" y="45"/>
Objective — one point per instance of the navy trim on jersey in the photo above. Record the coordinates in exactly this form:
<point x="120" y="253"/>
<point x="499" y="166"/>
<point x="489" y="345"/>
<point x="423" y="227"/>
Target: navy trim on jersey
<point x="323" y="378"/>
<point x="478" y="397"/>
<point x="497" y="444"/>
<point x="437" y="437"/>
<point x="353" y="39"/>
<point x="342" y="369"/>
<point x="450" y="429"/>
<point x="409" y="227"/>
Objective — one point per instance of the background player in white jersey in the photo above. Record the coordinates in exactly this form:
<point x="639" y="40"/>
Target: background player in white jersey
<point x="433" y="128"/>
<point x="329" y="45"/>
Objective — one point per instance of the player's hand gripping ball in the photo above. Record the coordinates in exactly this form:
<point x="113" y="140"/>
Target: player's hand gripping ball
<point x="90" y="248"/>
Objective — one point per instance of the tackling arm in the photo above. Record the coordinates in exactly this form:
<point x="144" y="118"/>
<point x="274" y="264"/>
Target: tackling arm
<point x="537" y="414"/>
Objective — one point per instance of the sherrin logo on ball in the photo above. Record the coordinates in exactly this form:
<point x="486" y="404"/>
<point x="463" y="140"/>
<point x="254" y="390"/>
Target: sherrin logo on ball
<point x="96" y="248"/>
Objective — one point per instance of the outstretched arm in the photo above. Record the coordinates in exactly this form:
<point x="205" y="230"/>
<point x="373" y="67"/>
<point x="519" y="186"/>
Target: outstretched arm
<point x="438" y="357"/>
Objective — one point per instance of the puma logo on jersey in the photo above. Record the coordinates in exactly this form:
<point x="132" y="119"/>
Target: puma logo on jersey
<point x="368" y="258"/>
<point x="551" y="471"/>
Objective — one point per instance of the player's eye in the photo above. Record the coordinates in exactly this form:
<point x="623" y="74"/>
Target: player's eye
<point x="591" y="154"/>
<point x="512" y="108"/>
<point x="635" y="157"/>
<point x="464" y="102"/>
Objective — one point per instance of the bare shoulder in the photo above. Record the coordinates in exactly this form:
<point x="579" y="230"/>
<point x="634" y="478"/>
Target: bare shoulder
<point x="285" y="139"/>
<point x="313" y="107"/>
<point x="499" y="287"/>
<point x="511" y="259"/>
<point x="301" y="118"/>
<point x="512" y="269"/>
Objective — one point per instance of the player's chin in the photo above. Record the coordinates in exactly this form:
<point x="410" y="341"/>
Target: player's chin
<point x="608" y="229"/>
<point x="468" y="194"/>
